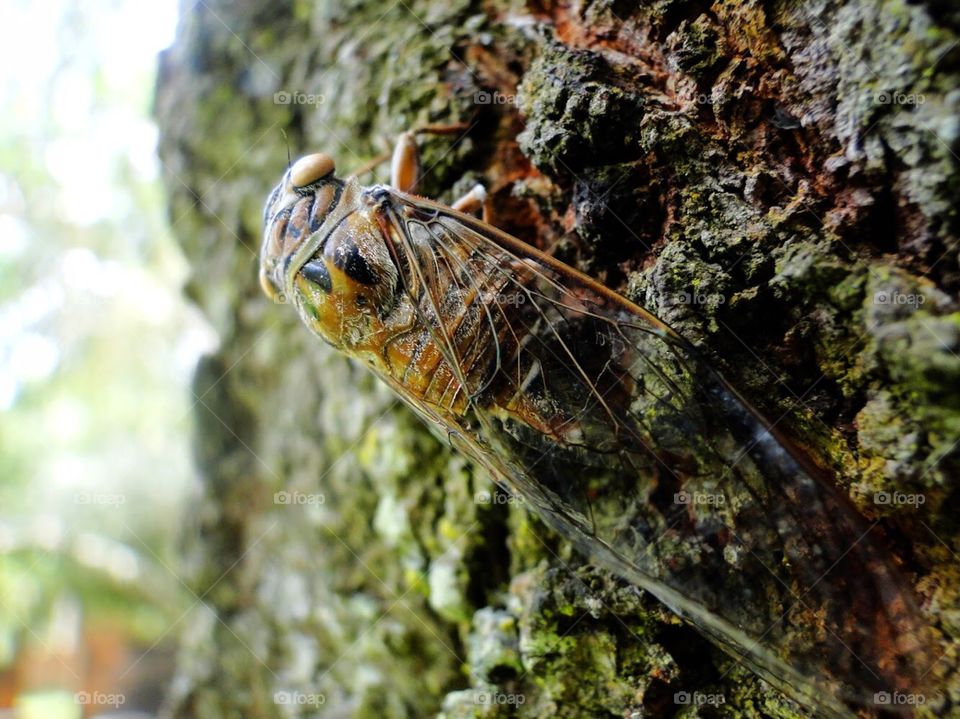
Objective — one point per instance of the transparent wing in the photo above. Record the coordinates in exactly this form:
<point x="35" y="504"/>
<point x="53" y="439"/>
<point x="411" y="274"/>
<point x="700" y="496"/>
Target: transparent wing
<point x="623" y="439"/>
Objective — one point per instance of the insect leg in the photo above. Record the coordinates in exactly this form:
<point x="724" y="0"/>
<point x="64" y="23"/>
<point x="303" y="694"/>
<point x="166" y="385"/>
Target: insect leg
<point x="474" y="200"/>
<point x="405" y="165"/>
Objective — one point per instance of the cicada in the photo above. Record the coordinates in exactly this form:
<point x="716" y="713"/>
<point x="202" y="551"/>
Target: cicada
<point x="612" y="427"/>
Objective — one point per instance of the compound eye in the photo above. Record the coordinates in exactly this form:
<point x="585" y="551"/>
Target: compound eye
<point x="311" y="168"/>
<point x="316" y="271"/>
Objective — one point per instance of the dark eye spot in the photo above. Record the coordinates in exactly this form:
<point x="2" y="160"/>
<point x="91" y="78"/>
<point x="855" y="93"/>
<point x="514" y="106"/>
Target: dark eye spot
<point x="346" y="257"/>
<point x="316" y="271"/>
<point x="361" y="300"/>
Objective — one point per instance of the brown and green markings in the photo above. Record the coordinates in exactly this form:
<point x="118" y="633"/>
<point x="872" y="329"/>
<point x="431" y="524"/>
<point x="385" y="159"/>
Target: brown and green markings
<point x="609" y="424"/>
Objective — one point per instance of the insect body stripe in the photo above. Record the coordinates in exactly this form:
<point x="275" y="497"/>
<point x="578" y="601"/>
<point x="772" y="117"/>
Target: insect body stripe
<point x="600" y="416"/>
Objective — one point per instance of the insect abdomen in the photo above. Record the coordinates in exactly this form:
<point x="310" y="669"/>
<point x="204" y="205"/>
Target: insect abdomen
<point x="451" y="345"/>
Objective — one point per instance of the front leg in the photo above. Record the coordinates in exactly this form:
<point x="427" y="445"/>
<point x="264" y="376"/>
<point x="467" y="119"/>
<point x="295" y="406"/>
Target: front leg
<point x="405" y="165"/>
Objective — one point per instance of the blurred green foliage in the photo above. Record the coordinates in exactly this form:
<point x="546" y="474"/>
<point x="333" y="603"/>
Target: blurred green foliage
<point x="97" y="345"/>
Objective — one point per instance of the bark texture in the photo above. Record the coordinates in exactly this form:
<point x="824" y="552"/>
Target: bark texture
<point x="777" y="180"/>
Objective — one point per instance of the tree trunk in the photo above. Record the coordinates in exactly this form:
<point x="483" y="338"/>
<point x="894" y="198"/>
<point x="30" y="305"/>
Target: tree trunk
<point x="777" y="181"/>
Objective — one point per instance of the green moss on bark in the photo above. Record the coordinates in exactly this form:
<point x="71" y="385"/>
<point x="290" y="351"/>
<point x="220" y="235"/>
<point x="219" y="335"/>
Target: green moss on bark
<point x="740" y="152"/>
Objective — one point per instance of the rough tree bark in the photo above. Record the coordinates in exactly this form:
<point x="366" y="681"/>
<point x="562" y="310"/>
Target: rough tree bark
<point x="789" y="167"/>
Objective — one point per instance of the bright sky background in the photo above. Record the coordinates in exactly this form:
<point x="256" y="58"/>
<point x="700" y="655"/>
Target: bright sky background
<point x="97" y="344"/>
<point x="52" y="55"/>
